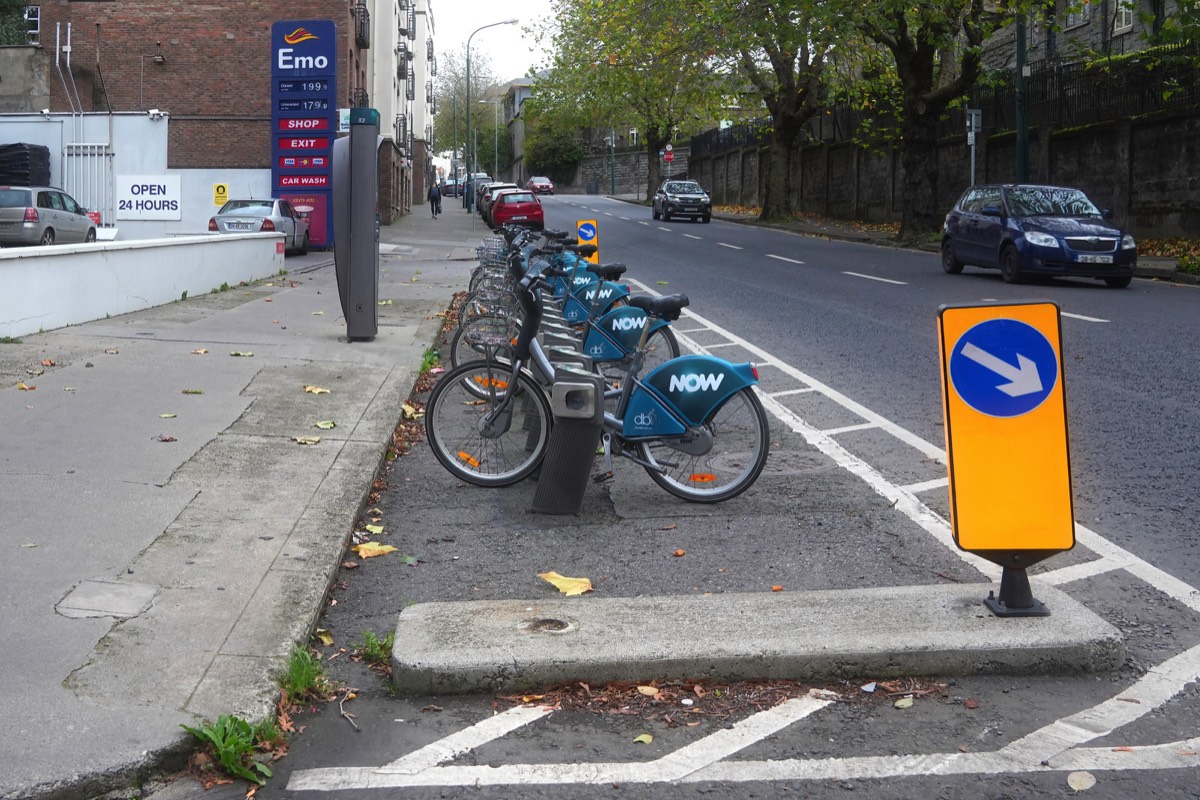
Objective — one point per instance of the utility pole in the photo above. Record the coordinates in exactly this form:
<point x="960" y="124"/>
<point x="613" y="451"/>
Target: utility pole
<point x="1022" y="120"/>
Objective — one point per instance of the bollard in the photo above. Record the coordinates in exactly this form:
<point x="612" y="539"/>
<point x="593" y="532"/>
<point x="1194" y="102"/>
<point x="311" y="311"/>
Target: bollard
<point x="577" y="402"/>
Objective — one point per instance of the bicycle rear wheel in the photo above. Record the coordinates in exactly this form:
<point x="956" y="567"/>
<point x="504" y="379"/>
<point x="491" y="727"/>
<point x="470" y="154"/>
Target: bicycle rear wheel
<point x="740" y="440"/>
<point x="491" y="434"/>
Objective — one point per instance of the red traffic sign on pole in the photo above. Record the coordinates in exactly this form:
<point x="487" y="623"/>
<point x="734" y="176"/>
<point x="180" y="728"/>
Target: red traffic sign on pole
<point x="669" y="156"/>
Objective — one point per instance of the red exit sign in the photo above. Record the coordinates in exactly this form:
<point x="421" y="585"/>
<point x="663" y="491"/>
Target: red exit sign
<point x="310" y="143"/>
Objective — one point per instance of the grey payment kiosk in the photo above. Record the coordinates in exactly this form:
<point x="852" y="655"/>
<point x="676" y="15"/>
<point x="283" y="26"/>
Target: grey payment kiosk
<point x="355" y="231"/>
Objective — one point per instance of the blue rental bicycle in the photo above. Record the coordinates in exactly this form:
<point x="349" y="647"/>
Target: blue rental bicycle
<point x="694" y="423"/>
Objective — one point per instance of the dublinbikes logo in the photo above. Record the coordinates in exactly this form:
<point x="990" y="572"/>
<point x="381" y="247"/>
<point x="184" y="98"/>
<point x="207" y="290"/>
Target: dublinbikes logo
<point x="644" y="420"/>
<point x="695" y="382"/>
<point x="596" y="350"/>
<point x="628" y="323"/>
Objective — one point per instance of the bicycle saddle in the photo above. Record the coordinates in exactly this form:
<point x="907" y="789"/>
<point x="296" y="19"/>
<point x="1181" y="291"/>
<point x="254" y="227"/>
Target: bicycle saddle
<point x="666" y="307"/>
<point x="607" y="272"/>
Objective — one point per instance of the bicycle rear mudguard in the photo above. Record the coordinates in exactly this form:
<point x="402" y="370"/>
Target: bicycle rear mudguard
<point x="615" y="335"/>
<point x="578" y="306"/>
<point x="687" y="388"/>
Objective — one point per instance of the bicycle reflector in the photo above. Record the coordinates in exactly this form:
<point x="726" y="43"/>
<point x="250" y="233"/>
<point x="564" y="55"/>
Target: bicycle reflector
<point x="702" y="477"/>
<point x="467" y="458"/>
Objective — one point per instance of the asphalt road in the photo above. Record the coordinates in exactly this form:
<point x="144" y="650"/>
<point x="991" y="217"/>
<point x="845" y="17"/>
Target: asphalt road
<point x="858" y="324"/>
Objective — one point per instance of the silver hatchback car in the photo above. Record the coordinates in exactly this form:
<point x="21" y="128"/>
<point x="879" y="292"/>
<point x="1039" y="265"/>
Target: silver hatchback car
<point x="42" y="215"/>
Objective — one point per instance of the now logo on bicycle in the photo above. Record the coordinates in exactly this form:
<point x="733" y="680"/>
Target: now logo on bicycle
<point x="695" y="382"/>
<point x="628" y="323"/>
<point x="604" y="293"/>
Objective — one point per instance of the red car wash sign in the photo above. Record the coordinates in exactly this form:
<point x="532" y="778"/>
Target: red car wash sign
<point x="303" y="119"/>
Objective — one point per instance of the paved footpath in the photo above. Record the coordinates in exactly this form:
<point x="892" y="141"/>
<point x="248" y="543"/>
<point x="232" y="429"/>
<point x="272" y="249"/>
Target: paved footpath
<point x="166" y="540"/>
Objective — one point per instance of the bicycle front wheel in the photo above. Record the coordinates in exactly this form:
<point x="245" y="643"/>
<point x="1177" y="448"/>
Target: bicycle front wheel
<point x="487" y="427"/>
<point x="739" y="443"/>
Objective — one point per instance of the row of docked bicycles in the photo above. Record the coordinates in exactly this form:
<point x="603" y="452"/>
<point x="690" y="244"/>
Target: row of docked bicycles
<point x="693" y="422"/>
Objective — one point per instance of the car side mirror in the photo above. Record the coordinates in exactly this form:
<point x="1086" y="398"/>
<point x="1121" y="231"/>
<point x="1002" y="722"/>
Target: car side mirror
<point x="992" y="211"/>
<point x="1107" y="213"/>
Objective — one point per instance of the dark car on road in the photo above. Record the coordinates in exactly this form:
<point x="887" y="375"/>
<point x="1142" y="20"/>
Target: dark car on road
<point x="1025" y="229"/>
<point x="681" y="198"/>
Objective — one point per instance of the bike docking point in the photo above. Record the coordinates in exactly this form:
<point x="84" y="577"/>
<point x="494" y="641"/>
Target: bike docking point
<point x="577" y="404"/>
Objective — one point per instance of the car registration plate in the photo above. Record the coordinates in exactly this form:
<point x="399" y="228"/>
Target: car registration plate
<point x="238" y="226"/>
<point x="1083" y="259"/>
<point x="521" y="217"/>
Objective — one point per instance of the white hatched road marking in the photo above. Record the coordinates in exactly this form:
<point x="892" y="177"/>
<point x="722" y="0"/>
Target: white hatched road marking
<point x="782" y="258"/>
<point x="1054" y="747"/>
<point x="875" y="278"/>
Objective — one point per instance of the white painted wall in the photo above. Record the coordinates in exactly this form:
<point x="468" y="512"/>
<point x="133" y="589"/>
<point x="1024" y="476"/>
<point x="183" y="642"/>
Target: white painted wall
<point x="43" y="288"/>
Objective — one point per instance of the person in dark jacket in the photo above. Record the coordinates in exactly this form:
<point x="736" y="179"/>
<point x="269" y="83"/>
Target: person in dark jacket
<point x="435" y="200"/>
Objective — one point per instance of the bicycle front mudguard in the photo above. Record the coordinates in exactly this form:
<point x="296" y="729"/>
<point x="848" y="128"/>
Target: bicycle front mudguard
<point x="682" y="393"/>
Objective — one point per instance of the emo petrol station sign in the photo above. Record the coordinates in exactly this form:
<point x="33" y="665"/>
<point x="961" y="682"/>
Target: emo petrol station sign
<point x="304" y="119"/>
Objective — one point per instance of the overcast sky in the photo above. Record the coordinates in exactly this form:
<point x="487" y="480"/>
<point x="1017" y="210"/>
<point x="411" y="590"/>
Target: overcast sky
<point x="505" y="46"/>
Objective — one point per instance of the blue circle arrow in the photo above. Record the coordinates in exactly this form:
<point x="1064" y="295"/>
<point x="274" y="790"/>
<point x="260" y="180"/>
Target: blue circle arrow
<point x="1003" y="368"/>
<point x="587" y="231"/>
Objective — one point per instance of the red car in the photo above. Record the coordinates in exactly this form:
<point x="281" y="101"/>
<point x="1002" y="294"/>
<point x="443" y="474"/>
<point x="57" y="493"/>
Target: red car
<point x="540" y="185"/>
<point x="519" y="207"/>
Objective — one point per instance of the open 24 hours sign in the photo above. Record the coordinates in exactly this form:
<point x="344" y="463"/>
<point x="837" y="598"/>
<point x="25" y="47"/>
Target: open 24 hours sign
<point x="148" y="197"/>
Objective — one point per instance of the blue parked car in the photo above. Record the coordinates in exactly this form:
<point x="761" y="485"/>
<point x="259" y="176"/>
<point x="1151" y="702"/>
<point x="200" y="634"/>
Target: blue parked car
<point x="1036" y="230"/>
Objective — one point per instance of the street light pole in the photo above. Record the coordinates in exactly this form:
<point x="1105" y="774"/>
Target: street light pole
<point x="474" y="156"/>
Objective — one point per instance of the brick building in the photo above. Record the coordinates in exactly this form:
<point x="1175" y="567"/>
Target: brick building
<point x="209" y="66"/>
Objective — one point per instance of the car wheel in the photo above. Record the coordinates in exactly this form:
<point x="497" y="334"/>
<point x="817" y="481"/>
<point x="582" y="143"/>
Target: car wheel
<point x="654" y="211"/>
<point x="707" y="218"/>
<point x="950" y="263"/>
<point x="47" y="236"/>
<point x="666" y="215"/>
<point x="91" y="236"/>
<point x="1118" y="283"/>
<point x="304" y="244"/>
<point x="1009" y="269"/>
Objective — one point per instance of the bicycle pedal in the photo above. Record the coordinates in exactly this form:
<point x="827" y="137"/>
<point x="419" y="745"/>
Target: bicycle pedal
<point x="602" y="477"/>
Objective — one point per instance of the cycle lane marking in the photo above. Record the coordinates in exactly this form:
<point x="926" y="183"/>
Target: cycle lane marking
<point x="784" y="258"/>
<point x="874" y="278"/>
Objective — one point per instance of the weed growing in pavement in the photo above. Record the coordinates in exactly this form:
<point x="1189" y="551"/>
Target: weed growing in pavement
<point x="9" y="340"/>
<point x="282" y="272"/>
<point x="430" y="359"/>
<point x="232" y="742"/>
<point x="184" y="295"/>
<point x="375" y="650"/>
<point x="304" y="677"/>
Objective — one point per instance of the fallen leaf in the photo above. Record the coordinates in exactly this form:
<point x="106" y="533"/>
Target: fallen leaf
<point x="29" y="544"/>
<point x="325" y="636"/>
<point x="240" y="353"/>
<point x="904" y="702"/>
<point x="25" y="388"/>
<point x="162" y="437"/>
<point x="776" y="588"/>
<point x="1130" y="700"/>
<point x="374" y="529"/>
<point x="1081" y="780"/>
<point x="670" y="527"/>
<point x="411" y="561"/>
<point x="326" y="424"/>
<point x="166" y="416"/>
<point x="679" y="553"/>
<point x="661" y="283"/>
<point x="649" y="691"/>
<point x="385" y="302"/>
<point x="306" y="439"/>
<point x="1177" y="752"/>
<point x="112" y="351"/>
<point x="68" y="388"/>
<point x="963" y="748"/>
<point x="350" y="565"/>
<point x="693" y="724"/>
<point x="970" y="703"/>
<point x="568" y="586"/>
<point x="1122" y="749"/>
<point x="35" y="372"/>
<point x="529" y="698"/>
<point x="47" y="362"/>
<point x="318" y="313"/>
<point x="698" y="690"/>
<point x="410" y="412"/>
<point x="193" y="391"/>
<point x="823" y="694"/>
<point x="315" y="390"/>
<point x="372" y="549"/>
<point x="645" y="738"/>
<point x="200" y="351"/>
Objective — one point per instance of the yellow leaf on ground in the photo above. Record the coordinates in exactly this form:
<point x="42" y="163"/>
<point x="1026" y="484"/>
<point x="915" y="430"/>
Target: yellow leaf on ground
<point x="200" y="351"/>
<point x="410" y="411"/>
<point x="315" y="390"/>
<point x="25" y="388"/>
<point x="306" y="439"/>
<point x="240" y="353"/>
<point x="318" y="313"/>
<point x="374" y="529"/>
<point x="385" y="302"/>
<point x="568" y="586"/>
<point x="325" y="636"/>
<point x="166" y="416"/>
<point x="326" y="424"/>
<point x="372" y="549"/>
<point x="649" y="691"/>
<point x="645" y="738"/>
<point x="529" y="698"/>
<point x="904" y="702"/>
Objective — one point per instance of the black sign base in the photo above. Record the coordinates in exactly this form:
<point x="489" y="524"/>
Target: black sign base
<point x="1016" y="598"/>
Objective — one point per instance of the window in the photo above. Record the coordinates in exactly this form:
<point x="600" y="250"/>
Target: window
<point x="1124" y="19"/>
<point x="1080" y="15"/>
<point x="33" y="23"/>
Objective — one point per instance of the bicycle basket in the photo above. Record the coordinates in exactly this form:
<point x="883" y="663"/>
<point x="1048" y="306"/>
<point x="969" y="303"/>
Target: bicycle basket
<point x="488" y="303"/>
<point x="491" y="331"/>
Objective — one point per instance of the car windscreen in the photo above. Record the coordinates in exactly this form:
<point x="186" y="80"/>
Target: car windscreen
<point x="517" y="197"/>
<point x="1047" y="201"/>
<point x="684" y="188"/>
<point x="14" y="198"/>
<point x="243" y="206"/>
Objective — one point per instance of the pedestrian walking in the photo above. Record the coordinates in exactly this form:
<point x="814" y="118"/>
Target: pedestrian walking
<point x="435" y="200"/>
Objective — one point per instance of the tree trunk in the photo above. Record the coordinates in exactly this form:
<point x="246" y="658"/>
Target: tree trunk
<point x="654" y="142"/>
<point x="777" y="202"/>
<point x="920" y="215"/>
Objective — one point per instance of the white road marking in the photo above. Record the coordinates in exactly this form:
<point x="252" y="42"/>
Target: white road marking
<point x="782" y="258"/>
<point x="624" y="218"/>
<point x="786" y="392"/>
<point x="642" y="222"/>
<point x="465" y="740"/>
<point x="1081" y="316"/>
<point x="661" y="228"/>
<point x="849" y="429"/>
<point x="926" y="486"/>
<point x="874" y="278"/>
<point x="690" y="236"/>
<point x="722" y="344"/>
<point x="730" y="246"/>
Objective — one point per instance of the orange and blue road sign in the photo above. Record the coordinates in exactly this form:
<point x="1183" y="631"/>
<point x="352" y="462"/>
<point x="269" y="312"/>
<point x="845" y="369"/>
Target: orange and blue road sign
<point x="588" y="232"/>
<point x="1004" y="405"/>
